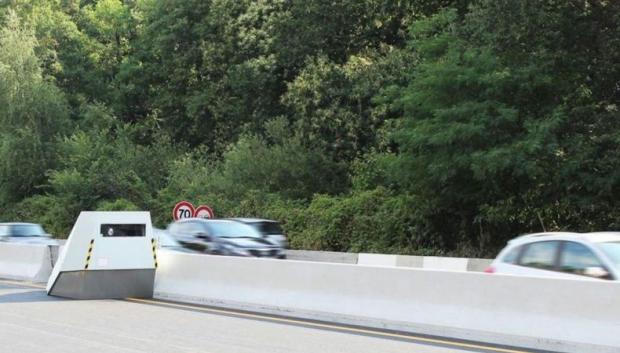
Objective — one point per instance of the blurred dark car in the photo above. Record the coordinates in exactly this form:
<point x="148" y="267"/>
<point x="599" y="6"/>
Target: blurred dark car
<point x="166" y="242"/>
<point x="25" y="233"/>
<point x="223" y="237"/>
<point x="270" y="229"/>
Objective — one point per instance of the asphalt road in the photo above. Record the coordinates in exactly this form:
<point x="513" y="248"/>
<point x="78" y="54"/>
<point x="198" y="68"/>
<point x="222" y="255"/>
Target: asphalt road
<point x="30" y="321"/>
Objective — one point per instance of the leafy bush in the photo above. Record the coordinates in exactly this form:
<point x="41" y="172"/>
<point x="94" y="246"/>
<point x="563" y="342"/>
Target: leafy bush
<point x="371" y="221"/>
<point x="117" y="205"/>
<point x="251" y="174"/>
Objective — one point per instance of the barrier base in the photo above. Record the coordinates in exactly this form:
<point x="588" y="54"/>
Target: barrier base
<point x="104" y="284"/>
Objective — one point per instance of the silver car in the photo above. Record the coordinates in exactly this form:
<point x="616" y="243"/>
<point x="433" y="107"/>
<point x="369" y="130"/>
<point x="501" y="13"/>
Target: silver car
<point x="25" y="233"/>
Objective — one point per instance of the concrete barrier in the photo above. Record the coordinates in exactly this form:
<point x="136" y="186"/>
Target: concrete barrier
<point x="55" y="251"/>
<point x="376" y="260"/>
<point x="558" y="315"/>
<point x="322" y="256"/>
<point x="409" y="261"/>
<point x="561" y="315"/>
<point x="445" y="263"/>
<point x="27" y="262"/>
<point x="429" y="262"/>
<point x="478" y="265"/>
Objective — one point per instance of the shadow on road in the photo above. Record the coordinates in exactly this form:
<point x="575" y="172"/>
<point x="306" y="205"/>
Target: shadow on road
<point x="37" y="295"/>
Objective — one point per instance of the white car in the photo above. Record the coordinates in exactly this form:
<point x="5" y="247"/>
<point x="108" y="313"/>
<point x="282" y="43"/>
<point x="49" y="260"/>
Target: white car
<point x="561" y="255"/>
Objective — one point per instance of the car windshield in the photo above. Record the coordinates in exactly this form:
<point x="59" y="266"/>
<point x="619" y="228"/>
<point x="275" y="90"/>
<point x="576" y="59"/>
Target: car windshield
<point x="27" y="230"/>
<point x="612" y="250"/>
<point x="232" y="230"/>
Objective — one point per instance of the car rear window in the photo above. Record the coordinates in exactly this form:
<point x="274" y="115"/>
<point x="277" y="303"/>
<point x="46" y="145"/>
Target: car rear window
<point x="512" y="255"/>
<point x="540" y="255"/>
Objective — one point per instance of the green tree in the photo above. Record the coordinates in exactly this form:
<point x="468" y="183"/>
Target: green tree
<point x="33" y="113"/>
<point x="109" y="27"/>
<point x="334" y="105"/>
<point x="281" y="164"/>
<point x="80" y="45"/>
<point x="506" y="131"/>
<point x="209" y="71"/>
<point x="101" y="168"/>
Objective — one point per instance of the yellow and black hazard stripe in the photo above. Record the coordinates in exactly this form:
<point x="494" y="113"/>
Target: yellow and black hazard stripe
<point x="154" y="247"/>
<point x="90" y="253"/>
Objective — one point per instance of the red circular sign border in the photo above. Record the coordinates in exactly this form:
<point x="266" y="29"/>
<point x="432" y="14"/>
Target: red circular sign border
<point x="205" y="207"/>
<point x="179" y="205"/>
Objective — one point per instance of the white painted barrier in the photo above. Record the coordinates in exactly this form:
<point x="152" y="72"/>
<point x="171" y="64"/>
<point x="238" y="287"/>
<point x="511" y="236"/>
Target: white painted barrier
<point x="445" y="263"/>
<point x="478" y="265"/>
<point x="367" y="259"/>
<point x="27" y="262"/>
<point x="558" y="315"/>
<point x="376" y="260"/>
<point x="409" y="261"/>
<point x="322" y="256"/>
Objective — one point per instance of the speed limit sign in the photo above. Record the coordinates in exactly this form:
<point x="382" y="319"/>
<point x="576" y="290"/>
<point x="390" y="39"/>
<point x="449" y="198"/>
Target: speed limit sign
<point x="183" y="209"/>
<point x="204" y="211"/>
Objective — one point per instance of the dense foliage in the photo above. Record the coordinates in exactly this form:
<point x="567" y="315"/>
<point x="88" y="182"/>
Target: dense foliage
<point x="410" y="126"/>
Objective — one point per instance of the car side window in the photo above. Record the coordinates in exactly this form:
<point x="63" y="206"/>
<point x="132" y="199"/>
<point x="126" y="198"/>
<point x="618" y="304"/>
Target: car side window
<point x="576" y="258"/>
<point x="540" y="255"/>
<point x="4" y="230"/>
<point x="512" y="255"/>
